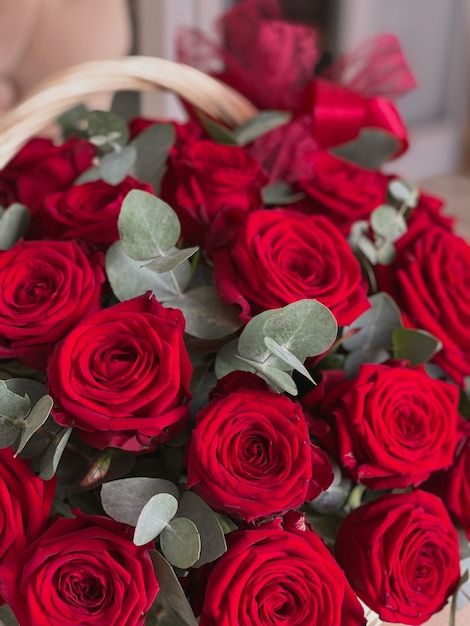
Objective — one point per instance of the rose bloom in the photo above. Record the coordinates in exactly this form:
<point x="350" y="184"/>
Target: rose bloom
<point x="281" y="256"/>
<point x="401" y="555"/>
<point x="429" y="281"/>
<point x="122" y="376"/>
<point x="389" y="427"/>
<point x="89" y="212"/>
<point x="279" y="574"/>
<point x="250" y="454"/>
<point x="211" y="181"/>
<point x="84" y="570"/>
<point x="25" y="505"/>
<point x="46" y="288"/>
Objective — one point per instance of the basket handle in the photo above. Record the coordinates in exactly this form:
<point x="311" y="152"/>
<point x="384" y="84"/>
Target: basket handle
<point x="61" y="91"/>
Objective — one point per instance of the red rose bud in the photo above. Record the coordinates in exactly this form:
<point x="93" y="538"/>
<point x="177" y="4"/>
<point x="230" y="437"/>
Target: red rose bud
<point x="250" y="454"/>
<point x="401" y="555"/>
<point x="122" y="376"/>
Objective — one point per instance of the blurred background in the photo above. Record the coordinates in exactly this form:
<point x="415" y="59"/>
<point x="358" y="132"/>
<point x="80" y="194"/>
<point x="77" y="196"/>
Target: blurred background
<point x="38" y="37"/>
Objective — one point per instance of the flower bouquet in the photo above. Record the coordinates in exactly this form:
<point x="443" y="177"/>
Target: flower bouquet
<point x="234" y="355"/>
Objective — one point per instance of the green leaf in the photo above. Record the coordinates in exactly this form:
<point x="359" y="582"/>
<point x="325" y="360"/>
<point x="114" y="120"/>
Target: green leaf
<point x="7" y="617"/>
<point x="386" y="254"/>
<point x="217" y="132"/>
<point x="53" y="454"/>
<point x="171" y="605"/>
<point x="259" y="125"/>
<point x="386" y="221"/>
<point x="416" y="346"/>
<point x="227" y="360"/>
<point x="291" y="360"/>
<point x="213" y="543"/>
<point x="126" y="104"/>
<point x="226" y="523"/>
<point x="116" y="165"/>
<point x="129" y="278"/>
<point x="89" y="176"/>
<point x="403" y="192"/>
<point x="171" y="259"/>
<point x="280" y="193"/>
<point x="13" y="405"/>
<point x="461" y="596"/>
<point x="36" y="418"/>
<point x="153" y="146"/>
<point x="14" y="223"/>
<point x="207" y="317"/>
<point x="371" y="149"/>
<point x="280" y="379"/>
<point x="180" y="542"/>
<point x="74" y="121"/>
<point x="124" y="499"/>
<point x="147" y="225"/>
<point x="106" y="129"/>
<point x="154" y="517"/>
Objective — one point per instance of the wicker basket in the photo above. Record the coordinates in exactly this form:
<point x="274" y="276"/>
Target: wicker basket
<point x="67" y="88"/>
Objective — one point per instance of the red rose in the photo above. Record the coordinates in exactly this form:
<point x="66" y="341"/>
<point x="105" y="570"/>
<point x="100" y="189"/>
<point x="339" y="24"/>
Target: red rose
<point x="429" y="281"/>
<point x="281" y="256"/>
<point x="250" y="454"/>
<point x="40" y="168"/>
<point x="210" y="181"/>
<point x="122" y="376"/>
<point x="389" y="427"/>
<point x="81" y="571"/>
<point x="46" y="288"/>
<point x="401" y="555"/>
<point x="273" y="576"/>
<point x="89" y="212"/>
<point x="25" y="505"/>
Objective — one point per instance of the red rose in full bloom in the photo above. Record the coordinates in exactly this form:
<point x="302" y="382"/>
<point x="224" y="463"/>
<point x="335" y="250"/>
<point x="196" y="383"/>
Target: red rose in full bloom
<point x="389" y="427"/>
<point x="211" y="185"/>
<point x="25" y="505"/>
<point x="250" y="454"/>
<point x="281" y="256"/>
<point x="88" y="212"/>
<point x="279" y="573"/>
<point x="40" y="168"/>
<point x="122" y="376"/>
<point x="429" y="281"/>
<point x="46" y="288"/>
<point x="401" y="555"/>
<point x="84" y="570"/>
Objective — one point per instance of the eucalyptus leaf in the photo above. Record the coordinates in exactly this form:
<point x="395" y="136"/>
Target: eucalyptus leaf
<point x="8" y="432"/>
<point x="34" y="390"/>
<point x="375" y="326"/>
<point x="171" y="604"/>
<point x="280" y="379"/>
<point x="154" y="517"/>
<point x="227" y="360"/>
<point x="7" y="618"/>
<point x="386" y="221"/>
<point x="280" y="193"/>
<point x="171" y="259"/>
<point x="74" y="121"/>
<point x="14" y="222"/>
<point x="180" y="542"/>
<point x="207" y="317"/>
<point x="213" y="543"/>
<point x="89" y="176"/>
<point x="463" y="591"/>
<point x="291" y="360"/>
<point x="12" y="405"/>
<point x="129" y="279"/>
<point x="416" y="346"/>
<point x="116" y="165"/>
<point x="403" y="192"/>
<point x="217" y="132"/>
<point x="152" y="146"/>
<point x="386" y="254"/>
<point x="111" y="127"/>
<point x="259" y="125"/>
<point x="354" y="360"/>
<point x="147" y="225"/>
<point x="36" y="418"/>
<point x="371" y="149"/>
<point x="124" y="499"/>
<point x="51" y="459"/>
<point x="226" y="523"/>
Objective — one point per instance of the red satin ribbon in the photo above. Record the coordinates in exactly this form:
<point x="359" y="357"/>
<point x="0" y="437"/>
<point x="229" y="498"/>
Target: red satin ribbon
<point x="339" y="115"/>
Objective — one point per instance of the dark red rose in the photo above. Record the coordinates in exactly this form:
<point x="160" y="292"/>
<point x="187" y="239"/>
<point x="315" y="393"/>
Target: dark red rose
<point x="281" y="256"/>
<point x="279" y="574"/>
<point x="389" y="427"/>
<point x="401" y="555"/>
<point x="429" y="281"/>
<point x="122" y="376"/>
<point x="25" y="505"/>
<point x="46" y="288"/>
<point x="40" y="168"/>
<point x="250" y="454"/>
<point x="84" y="570"/>
<point x="88" y="212"/>
<point x="211" y="181"/>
